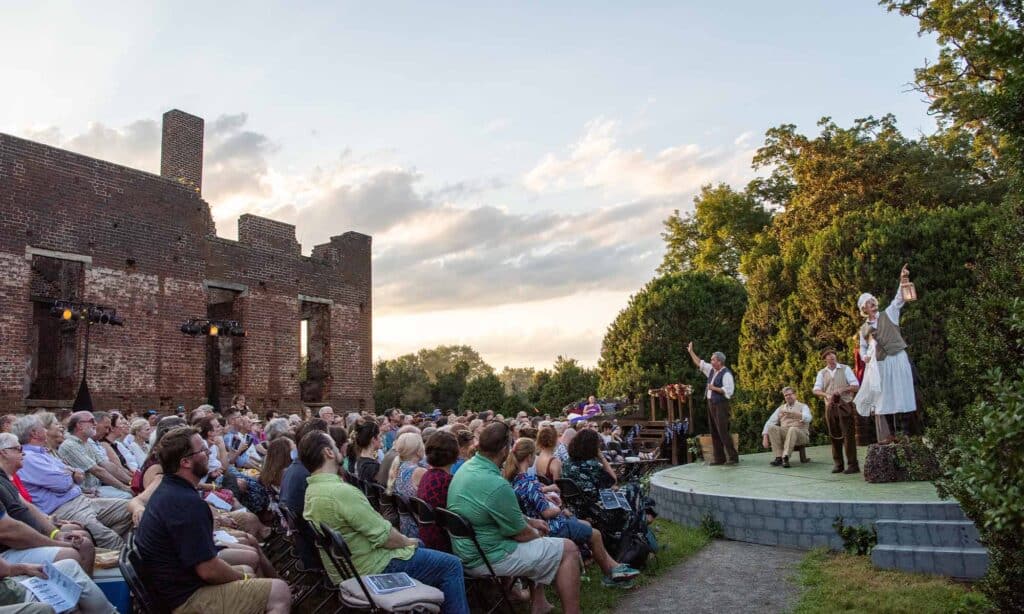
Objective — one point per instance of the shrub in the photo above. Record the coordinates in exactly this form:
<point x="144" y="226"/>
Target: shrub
<point x="856" y="540"/>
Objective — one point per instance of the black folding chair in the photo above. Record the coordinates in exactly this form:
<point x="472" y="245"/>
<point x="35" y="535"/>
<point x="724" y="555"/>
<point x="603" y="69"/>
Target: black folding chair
<point x="126" y="562"/>
<point x="575" y="499"/>
<point x="459" y="527"/>
<point x="305" y="581"/>
<point x="374" y="492"/>
<point x="421" y="511"/>
<point x="402" y="505"/>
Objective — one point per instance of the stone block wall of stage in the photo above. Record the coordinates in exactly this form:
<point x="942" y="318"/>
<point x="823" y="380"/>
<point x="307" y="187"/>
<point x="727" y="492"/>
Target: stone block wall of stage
<point x="146" y="245"/>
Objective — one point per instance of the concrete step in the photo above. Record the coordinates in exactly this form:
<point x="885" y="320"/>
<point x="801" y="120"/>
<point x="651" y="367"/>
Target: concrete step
<point x="935" y="533"/>
<point x="964" y="563"/>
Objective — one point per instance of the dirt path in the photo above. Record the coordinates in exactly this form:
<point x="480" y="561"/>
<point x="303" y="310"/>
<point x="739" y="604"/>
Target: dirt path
<point x="725" y="576"/>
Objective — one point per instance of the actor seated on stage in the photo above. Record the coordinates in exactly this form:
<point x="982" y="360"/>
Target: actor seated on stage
<point x="787" y="428"/>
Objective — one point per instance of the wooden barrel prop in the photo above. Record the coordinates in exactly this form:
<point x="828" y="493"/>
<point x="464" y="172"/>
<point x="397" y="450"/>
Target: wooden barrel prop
<point x="865" y="429"/>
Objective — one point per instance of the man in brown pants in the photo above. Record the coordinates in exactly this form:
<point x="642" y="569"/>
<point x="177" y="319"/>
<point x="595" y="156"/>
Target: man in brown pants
<point x="836" y="384"/>
<point x="720" y="388"/>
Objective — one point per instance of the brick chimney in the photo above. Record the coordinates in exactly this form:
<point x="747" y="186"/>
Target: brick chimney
<point x="181" y="152"/>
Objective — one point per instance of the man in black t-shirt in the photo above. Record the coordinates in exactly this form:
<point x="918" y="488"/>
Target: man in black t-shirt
<point x="175" y="540"/>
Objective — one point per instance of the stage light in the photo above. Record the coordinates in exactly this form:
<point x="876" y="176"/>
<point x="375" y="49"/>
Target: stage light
<point x="66" y="314"/>
<point x="115" y="320"/>
<point x="191" y="328"/>
<point x="235" y="330"/>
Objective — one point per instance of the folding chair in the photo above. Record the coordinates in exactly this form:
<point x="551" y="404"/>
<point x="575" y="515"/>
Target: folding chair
<point x="575" y="499"/>
<point x="402" y="505"/>
<point x="126" y="562"/>
<point x="459" y="527"/>
<point x="353" y="592"/>
<point x="306" y="579"/>
<point x="421" y="511"/>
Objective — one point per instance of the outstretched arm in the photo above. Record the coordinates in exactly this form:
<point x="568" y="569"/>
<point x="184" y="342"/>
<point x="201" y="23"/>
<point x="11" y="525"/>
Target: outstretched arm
<point x="693" y="356"/>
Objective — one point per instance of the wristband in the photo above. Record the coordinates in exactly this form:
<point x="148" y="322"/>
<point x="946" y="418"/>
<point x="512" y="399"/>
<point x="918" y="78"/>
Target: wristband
<point x="245" y="576"/>
<point x="54" y="532"/>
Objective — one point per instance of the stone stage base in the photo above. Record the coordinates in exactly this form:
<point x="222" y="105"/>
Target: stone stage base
<point x="795" y="507"/>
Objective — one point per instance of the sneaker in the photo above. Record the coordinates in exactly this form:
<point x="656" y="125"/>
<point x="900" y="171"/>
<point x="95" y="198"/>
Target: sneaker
<point x="623" y="572"/>
<point x="626" y="584"/>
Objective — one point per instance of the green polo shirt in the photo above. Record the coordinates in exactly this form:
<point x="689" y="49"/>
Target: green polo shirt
<point x="342" y="507"/>
<point x="483" y="497"/>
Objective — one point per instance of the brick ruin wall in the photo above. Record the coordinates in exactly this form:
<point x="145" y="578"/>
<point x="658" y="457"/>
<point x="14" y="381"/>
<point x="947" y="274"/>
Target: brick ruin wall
<point x="148" y="247"/>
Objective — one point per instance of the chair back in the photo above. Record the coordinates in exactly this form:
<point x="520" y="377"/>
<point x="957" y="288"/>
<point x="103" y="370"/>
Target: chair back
<point x="374" y="494"/>
<point x="126" y="563"/>
<point x="422" y="511"/>
<point x="573" y="497"/>
<point x="340" y="555"/>
<point x="453" y="523"/>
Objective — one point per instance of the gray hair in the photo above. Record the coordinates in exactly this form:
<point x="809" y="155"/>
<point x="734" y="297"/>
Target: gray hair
<point x="326" y="408"/>
<point x="47" y="419"/>
<point x="351" y="419"/>
<point x="8" y="440"/>
<point x="276" y="428"/>
<point x="788" y="389"/>
<point x="23" y="427"/>
<point x="137" y="425"/>
<point x="720" y="356"/>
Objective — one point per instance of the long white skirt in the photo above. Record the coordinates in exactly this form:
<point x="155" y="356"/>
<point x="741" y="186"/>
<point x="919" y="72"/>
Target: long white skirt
<point x="897" y="385"/>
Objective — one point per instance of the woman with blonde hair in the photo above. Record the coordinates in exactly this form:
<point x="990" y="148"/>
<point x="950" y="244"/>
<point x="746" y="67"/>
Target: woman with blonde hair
<point x="405" y="476"/>
<point x="561" y="523"/>
<point x="137" y="440"/>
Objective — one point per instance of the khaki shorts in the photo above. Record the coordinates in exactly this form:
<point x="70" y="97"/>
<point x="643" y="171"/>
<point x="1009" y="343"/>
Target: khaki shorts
<point x="537" y="560"/>
<point x="240" y="597"/>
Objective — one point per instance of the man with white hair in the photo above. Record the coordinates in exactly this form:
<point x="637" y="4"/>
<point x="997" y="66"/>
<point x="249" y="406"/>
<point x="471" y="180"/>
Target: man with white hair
<point x="566" y="436"/>
<point x="720" y="389"/>
<point x="55" y="491"/>
<point x="326" y="413"/>
<point x="787" y="428"/>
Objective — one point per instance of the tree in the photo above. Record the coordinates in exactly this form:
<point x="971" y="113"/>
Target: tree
<point x="517" y="380"/>
<point x="569" y="382"/>
<point x="713" y="238"/>
<point x="515" y="403"/>
<point x="450" y="385"/>
<point x="540" y="378"/>
<point x="444" y="358"/>
<point x="645" y="346"/>
<point x="977" y="83"/>
<point x="402" y="383"/>
<point x="483" y="393"/>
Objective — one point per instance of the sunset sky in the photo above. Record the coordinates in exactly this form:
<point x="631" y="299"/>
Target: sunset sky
<point x="513" y="162"/>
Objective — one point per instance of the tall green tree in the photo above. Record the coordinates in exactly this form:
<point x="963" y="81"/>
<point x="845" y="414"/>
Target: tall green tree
<point x="483" y="393"/>
<point x="714" y="237"/>
<point x="645" y="346"/>
<point x="444" y="358"/>
<point x="449" y="387"/>
<point x="517" y="380"/>
<point x="569" y="382"/>
<point x="401" y="383"/>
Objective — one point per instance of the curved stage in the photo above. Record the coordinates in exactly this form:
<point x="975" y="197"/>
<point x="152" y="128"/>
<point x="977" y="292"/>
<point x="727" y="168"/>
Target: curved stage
<point x="795" y="507"/>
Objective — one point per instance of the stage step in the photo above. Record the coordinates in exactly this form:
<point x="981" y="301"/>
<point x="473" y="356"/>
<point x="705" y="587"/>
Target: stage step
<point x="937" y="533"/>
<point x="963" y="563"/>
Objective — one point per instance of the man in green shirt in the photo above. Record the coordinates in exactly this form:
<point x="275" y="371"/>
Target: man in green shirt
<point x="376" y="546"/>
<point x="516" y="546"/>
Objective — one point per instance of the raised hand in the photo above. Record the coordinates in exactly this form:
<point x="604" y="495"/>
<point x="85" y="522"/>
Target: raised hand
<point x="905" y="272"/>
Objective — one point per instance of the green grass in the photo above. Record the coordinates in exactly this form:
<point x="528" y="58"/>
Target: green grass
<point x="845" y="583"/>
<point x="679" y="543"/>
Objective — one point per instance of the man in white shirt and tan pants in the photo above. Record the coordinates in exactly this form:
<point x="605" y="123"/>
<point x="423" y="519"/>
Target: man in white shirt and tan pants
<point x="787" y="428"/>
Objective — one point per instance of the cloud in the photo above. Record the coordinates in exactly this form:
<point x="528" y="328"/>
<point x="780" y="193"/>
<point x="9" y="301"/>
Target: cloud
<point x="597" y="160"/>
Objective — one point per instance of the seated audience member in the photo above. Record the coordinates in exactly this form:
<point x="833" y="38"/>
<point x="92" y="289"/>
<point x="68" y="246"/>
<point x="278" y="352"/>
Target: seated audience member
<point x="55" y="491"/>
<point x="180" y="566"/>
<point x="293" y="494"/>
<point x="587" y="466"/>
<point x="548" y="465"/>
<point x="279" y="456"/>
<point x="326" y="413"/>
<point x="787" y="428"/>
<point x="366" y="444"/>
<point x="467" y="446"/>
<point x="442" y="450"/>
<point x="138" y="440"/>
<point x="562" y="449"/>
<point x="376" y="546"/>
<point x="514" y="545"/>
<point x="101" y="441"/>
<point x="384" y="473"/>
<point x="13" y="593"/>
<point x="114" y="442"/>
<point x="405" y="476"/>
<point x="78" y="452"/>
<point x="21" y="543"/>
<point x="560" y="523"/>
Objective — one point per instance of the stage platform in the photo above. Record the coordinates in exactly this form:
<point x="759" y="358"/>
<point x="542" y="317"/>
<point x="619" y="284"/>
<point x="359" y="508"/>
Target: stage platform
<point x="796" y="507"/>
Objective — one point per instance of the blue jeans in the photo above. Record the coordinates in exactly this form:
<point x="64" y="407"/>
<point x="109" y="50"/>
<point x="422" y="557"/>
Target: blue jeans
<point x="440" y="570"/>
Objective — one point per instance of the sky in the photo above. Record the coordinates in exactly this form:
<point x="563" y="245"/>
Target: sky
<point x="513" y="162"/>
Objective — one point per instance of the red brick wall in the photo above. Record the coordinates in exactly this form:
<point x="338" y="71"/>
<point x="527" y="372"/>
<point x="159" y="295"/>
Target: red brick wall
<point x="152" y="246"/>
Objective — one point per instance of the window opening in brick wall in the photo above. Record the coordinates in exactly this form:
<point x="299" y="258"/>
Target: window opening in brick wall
<point x="223" y="352"/>
<point x="53" y="347"/>
<point x="314" y="351"/>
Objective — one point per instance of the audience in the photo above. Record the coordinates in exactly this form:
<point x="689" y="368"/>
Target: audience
<point x="562" y="449"/>
<point x="293" y="494"/>
<point x="467" y="446"/>
<point x="384" y="473"/>
<point x="587" y="466"/>
<point x="138" y="440"/>
<point x="442" y="450"/>
<point x="548" y="465"/>
<point x="180" y="566"/>
<point x="561" y="523"/>
<point x="514" y="545"/>
<point x="375" y="545"/>
<point x="79" y="451"/>
<point x="366" y="445"/>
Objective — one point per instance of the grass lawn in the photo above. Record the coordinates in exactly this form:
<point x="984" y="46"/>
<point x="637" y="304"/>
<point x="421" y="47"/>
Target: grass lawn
<point x="678" y="543"/>
<point x="846" y="583"/>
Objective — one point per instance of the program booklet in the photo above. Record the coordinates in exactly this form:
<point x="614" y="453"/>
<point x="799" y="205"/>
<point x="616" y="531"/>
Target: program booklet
<point x="382" y="584"/>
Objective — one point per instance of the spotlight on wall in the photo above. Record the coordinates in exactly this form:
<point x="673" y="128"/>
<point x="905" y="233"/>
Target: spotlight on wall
<point x="91" y="312"/>
<point x="212" y="328"/>
<point x="191" y="327"/>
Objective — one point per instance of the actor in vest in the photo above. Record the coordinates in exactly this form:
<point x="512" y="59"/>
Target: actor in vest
<point x="720" y="389"/>
<point x="836" y="384"/>
<point x="894" y="371"/>
<point x="787" y="428"/>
